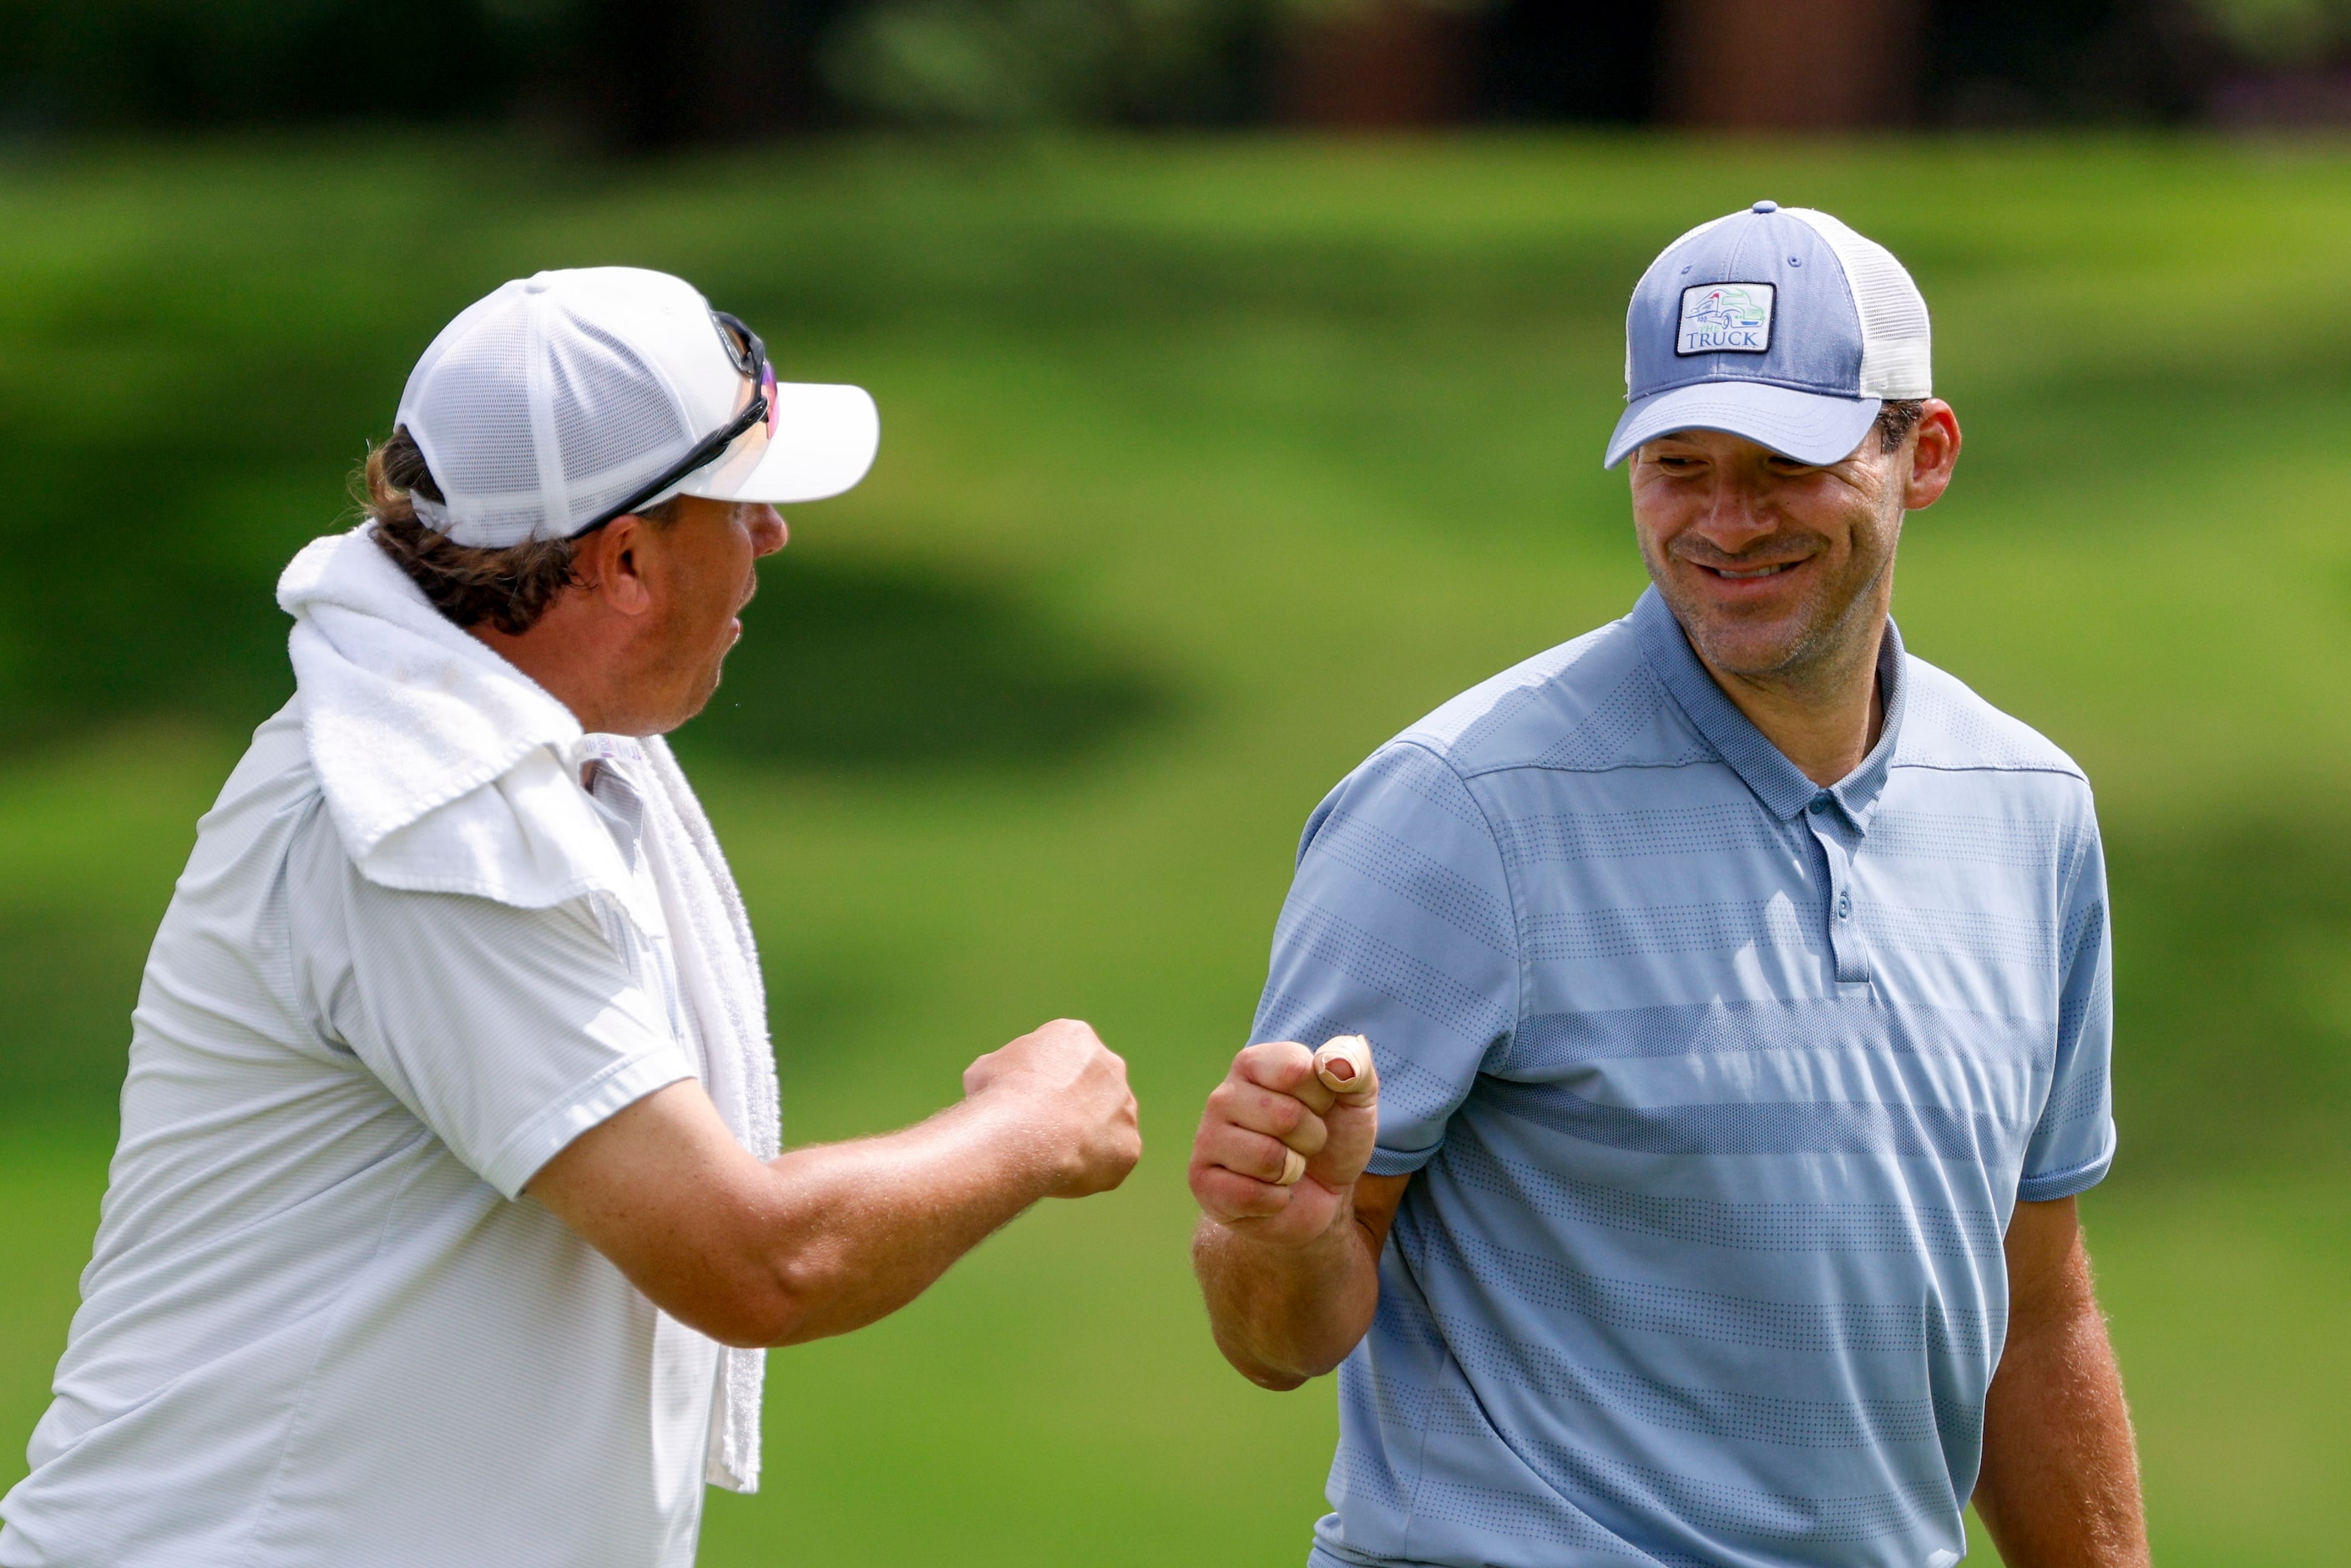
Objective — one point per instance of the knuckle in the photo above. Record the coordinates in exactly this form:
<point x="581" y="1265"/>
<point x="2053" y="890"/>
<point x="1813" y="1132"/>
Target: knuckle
<point x="1218" y="1145"/>
<point x="1277" y="1058"/>
<point x="1255" y="1200"/>
<point x="1229" y="1194"/>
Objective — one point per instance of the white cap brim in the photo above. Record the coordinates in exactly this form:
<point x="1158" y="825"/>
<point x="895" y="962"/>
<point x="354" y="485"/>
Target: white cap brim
<point x="1811" y="428"/>
<point x="826" y="436"/>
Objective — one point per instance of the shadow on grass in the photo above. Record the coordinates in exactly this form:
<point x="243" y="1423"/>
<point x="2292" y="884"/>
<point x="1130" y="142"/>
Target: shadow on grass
<point x="93" y="632"/>
<point x="842" y="665"/>
<point x="848" y="665"/>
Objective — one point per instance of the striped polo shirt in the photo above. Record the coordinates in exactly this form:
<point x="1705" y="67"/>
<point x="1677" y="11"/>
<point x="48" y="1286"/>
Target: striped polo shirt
<point x="1721" y="1088"/>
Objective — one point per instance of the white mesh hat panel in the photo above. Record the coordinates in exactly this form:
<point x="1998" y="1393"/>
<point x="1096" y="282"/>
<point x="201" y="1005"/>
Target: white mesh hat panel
<point x="488" y="456"/>
<point x="535" y="414"/>
<point x="1896" y="341"/>
<point x="613" y="425"/>
<point x="559" y="397"/>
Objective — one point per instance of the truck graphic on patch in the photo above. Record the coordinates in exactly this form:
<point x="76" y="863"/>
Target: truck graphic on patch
<point x="1726" y="318"/>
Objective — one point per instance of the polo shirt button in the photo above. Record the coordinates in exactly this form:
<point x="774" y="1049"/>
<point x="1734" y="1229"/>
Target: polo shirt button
<point x="1845" y="906"/>
<point x="1821" y="805"/>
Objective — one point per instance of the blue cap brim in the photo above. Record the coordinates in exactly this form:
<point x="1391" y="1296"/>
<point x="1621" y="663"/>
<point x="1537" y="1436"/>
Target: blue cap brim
<point x="1811" y="428"/>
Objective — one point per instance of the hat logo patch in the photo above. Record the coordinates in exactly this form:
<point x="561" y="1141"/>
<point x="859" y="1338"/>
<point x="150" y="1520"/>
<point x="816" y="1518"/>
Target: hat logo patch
<point x="1726" y="318"/>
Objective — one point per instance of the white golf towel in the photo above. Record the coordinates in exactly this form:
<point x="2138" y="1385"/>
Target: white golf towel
<point x="447" y="769"/>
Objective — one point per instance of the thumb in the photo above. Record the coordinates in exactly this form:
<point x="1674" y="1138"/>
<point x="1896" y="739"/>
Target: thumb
<point x="1345" y="1067"/>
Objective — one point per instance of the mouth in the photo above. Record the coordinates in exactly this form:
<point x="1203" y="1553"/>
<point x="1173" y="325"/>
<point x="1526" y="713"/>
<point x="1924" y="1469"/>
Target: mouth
<point x="1749" y="573"/>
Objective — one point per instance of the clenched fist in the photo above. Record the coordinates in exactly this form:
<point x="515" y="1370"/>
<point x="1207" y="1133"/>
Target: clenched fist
<point x="1272" y="1111"/>
<point x="1075" y="1087"/>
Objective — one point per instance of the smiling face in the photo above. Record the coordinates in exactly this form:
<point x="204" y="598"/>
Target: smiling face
<point x="1780" y="572"/>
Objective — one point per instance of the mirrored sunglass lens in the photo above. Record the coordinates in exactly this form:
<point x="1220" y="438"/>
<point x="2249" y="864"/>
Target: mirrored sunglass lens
<point x="767" y="390"/>
<point x="738" y="338"/>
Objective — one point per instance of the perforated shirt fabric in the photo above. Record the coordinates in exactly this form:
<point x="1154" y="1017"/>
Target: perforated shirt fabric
<point x="320" y="1326"/>
<point x="1720" y="1088"/>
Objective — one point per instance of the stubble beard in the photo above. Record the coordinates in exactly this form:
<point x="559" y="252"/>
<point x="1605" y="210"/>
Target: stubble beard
<point x="1835" y="628"/>
<point x="696" y="697"/>
<point x="684" y="643"/>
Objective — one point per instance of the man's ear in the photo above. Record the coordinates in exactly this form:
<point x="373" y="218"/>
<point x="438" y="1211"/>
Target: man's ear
<point x="1934" y="454"/>
<point x="610" y="565"/>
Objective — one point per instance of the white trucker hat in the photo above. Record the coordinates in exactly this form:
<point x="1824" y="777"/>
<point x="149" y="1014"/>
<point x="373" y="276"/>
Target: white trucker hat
<point x="563" y="401"/>
<point x="1779" y="324"/>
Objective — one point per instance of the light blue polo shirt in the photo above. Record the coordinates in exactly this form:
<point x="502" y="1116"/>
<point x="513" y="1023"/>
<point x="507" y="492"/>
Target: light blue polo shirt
<point x="1721" y="1088"/>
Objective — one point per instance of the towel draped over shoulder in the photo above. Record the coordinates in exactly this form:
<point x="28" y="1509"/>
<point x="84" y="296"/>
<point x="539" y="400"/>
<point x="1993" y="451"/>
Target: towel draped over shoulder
<point x="447" y="769"/>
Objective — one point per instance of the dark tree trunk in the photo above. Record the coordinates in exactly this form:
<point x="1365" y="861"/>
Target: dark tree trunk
<point x="1388" y="63"/>
<point x="1791" y="65"/>
<point x="653" y="75"/>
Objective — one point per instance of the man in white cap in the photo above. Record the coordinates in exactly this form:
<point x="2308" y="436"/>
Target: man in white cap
<point x="449" y="1223"/>
<point x="1737" y="991"/>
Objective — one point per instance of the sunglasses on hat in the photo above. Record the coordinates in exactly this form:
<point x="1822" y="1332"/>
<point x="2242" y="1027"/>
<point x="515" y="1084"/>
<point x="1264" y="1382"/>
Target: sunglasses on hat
<point x="749" y="358"/>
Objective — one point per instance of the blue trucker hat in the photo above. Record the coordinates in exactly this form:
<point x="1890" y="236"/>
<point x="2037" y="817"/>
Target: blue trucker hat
<point x="1779" y="324"/>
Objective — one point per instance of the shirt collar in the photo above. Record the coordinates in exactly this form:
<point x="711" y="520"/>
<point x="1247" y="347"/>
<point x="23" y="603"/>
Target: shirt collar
<point x="602" y="763"/>
<point x="1776" y="781"/>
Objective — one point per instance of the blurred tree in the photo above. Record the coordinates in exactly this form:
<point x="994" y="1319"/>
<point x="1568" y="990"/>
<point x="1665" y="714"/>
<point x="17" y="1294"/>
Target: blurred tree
<point x="2281" y="32"/>
<point x="1370" y="64"/>
<point x="649" y="75"/>
<point x="1031" y="62"/>
<point x="1994" y="62"/>
<point x="1573" y="60"/>
<point x="153" y="63"/>
<point x="2288" y="61"/>
<point x="1790" y="64"/>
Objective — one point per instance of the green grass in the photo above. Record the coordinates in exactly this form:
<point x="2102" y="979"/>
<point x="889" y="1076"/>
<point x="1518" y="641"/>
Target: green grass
<point x="1208" y="466"/>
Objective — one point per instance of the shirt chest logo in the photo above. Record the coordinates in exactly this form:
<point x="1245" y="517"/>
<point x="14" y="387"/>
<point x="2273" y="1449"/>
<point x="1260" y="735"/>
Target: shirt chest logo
<point x="1726" y="318"/>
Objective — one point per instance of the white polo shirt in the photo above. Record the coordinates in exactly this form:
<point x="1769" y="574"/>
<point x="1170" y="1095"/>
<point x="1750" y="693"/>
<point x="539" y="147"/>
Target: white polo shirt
<point x="322" y="1326"/>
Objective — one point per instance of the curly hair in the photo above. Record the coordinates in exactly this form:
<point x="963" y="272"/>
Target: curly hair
<point x="509" y="586"/>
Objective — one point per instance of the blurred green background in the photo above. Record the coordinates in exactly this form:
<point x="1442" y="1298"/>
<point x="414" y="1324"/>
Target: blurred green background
<point x="1210" y="463"/>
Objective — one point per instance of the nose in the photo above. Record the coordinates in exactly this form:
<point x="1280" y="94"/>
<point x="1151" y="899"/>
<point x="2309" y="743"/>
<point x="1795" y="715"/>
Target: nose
<point x="1735" y="516"/>
<point x="769" y="533"/>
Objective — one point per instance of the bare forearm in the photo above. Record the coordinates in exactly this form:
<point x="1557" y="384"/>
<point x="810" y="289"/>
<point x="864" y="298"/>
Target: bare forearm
<point x="828" y="1239"/>
<point x="2060" y="1483"/>
<point x="858" y="1229"/>
<point x="1285" y="1314"/>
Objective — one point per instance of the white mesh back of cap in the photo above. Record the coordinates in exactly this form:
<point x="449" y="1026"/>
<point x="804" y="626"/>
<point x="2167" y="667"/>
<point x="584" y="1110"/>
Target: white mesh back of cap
<point x="1896" y="341"/>
<point x="616" y="426"/>
<point x="535" y="420"/>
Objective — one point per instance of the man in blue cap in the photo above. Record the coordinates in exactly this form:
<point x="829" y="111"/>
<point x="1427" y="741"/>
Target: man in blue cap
<point x="1739" y="993"/>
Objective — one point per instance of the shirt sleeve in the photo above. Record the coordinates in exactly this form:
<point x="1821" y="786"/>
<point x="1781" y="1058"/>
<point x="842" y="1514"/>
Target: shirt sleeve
<point x="1399" y="927"/>
<point x="2073" y="1143"/>
<point x="507" y="1031"/>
